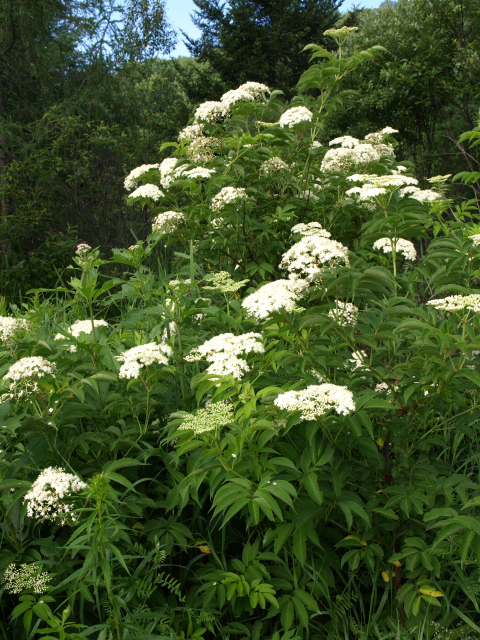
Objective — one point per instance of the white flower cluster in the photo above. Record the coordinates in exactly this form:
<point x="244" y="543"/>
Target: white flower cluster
<point x="147" y="191"/>
<point x="272" y="165"/>
<point x="383" y="386"/>
<point x="143" y="356"/>
<point x="358" y="360"/>
<point x="310" y="229"/>
<point x="294" y="116"/>
<point x="227" y="195"/>
<point x="211" y="112"/>
<point x="223" y="282"/>
<point x="354" y="153"/>
<point x="224" y="353"/>
<point x="427" y="195"/>
<point x="24" y="374"/>
<point x="255" y="88"/>
<point x="317" y="400"/>
<point x="476" y="239"/>
<point x="340" y="33"/>
<point x="82" y="326"/>
<point x="214" y="416"/>
<point x="46" y="497"/>
<point x="274" y="296"/>
<point x="458" y="303"/>
<point x="199" y="173"/>
<point x="393" y="181"/>
<point x="345" y="314"/>
<point x="27" y="576"/>
<point x="191" y="132"/>
<point x="167" y="221"/>
<point x="12" y="328"/>
<point x="131" y="181"/>
<point x="236" y="95"/>
<point x="366" y="193"/>
<point x="312" y="252"/>
<point x="170" y="172"/>
<point x="401" y="246"/>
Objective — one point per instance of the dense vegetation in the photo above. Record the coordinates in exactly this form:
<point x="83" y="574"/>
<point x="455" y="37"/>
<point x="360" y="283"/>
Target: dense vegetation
<point x="260" y="419"/>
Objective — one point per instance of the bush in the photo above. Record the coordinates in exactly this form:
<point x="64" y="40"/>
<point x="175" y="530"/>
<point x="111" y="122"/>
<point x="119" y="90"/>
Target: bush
<point x="319" y="477"/>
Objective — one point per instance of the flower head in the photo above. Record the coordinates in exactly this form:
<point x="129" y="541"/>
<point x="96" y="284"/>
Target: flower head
<point x="227" y="195"/>
<point x="273" y="165"/>
<point x="24" y="375"/>
<point x="274" y="296"/>
<point x="147" y="191"/>
<point x="82" y="249"/>
<point x="131" y="181"/>
<point x="27" y="576"/>
<point x="143" y="356"/>
<point x="191" y="132"/>
<point x="345" y="314"/>
<point x="224" y="353"/>
<point x="295" y="116"/>
<point x="310" y="229"/>
<point x="312" y="253"/>
<point x="316" y="400"/>
<point x="223" y="282"/>
<point x="211" y="112"/>
<point x="167" y="221"/>
<point x="12" y="328"/>
<point x="457" y="303"/>
<point x="401" y="246"/>
<point x="46" y="498"/>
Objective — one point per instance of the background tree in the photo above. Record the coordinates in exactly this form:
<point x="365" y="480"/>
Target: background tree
<point x="260" y="40"/>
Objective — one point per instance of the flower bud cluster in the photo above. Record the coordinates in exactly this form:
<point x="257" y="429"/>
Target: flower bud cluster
<point x="214" y="416"/>
<point x="273" y="165"/>
<point x="167" y="221"/>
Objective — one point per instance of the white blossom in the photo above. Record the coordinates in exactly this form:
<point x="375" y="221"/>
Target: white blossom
<point x="354" y="153"/>
<point x="82" y="249"/>
<point x="147" y="191"/>
<point x="401" y="246"/>
<point x="476" y="239"/>
<point x="30" y="368"/>
<point x="344" y="313"/>
<point x="310" y="229"/>
<point x="347" y="142"/>
<point x="394" y="180"/>
<point x="81" y="326"/>
<point x="12" y="328"/>
<point x="212" y="417"/>
<point x="167" y="221"/>
<point x="358" y="359"/>
<point x="274" y="296"/>
<point x="227" y="195"/>
<point x="383" y="386"/>
<point x="254" y="88"/>
<point x="199" y="173"/>
<point x="311" y="253"/>
<point x="27" y="576"/>
<point x="201" y="149"/>
<point x="426" y="195"/>
<point x="131" y="181"/>
<point x="294" y="116"/>
<point x="143" y="356"/>
<point x="236" y="95"/>
<point x="272" y="165"/>
<point x="316" y="400"/>
<point x="170" y="172"/>
<point x="366" y="192"/>
<point x="191" y="132"/>
<point x="211" y="112"/>
<point x="457" y="303"/>
<point x="224" y="353"/>
<point x="47" y="497"/>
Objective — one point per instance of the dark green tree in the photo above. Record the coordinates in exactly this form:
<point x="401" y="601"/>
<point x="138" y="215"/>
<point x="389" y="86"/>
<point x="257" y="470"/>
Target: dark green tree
<point x="260" y="40"/>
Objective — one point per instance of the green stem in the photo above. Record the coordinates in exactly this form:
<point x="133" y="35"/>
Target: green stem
<point x="15" y="540"/>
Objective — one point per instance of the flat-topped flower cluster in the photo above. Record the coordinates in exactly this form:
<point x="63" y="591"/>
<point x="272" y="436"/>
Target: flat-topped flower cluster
<point x="48" y="497"/>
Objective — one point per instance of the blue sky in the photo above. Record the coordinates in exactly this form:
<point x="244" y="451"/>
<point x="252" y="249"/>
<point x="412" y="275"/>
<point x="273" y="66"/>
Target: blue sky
<point x="179" y="13"/>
